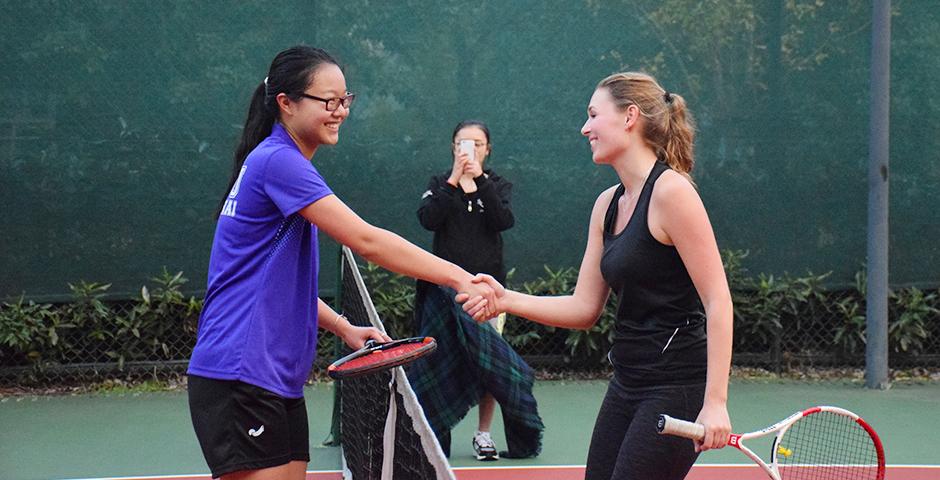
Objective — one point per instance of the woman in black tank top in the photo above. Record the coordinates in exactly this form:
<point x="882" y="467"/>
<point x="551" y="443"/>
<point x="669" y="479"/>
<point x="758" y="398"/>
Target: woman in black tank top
<point x="651" y="243"/>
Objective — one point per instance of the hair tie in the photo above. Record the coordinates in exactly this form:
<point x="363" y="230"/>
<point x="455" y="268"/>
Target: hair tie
<point x="667" y="96"/>
<point x="266" y="93"/>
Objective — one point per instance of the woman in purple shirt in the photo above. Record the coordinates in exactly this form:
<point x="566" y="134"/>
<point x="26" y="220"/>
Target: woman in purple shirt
<point x="258" y="330"/>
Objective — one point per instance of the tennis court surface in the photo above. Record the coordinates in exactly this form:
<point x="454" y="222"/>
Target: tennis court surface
<point x="149" y="435"/>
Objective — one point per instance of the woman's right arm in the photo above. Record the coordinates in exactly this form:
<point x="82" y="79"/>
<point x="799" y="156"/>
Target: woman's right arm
<point x="579" y="310"/>
<point x="389" y="250"/>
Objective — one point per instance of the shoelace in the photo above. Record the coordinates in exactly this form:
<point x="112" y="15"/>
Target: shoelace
<point x="484" y="440"/>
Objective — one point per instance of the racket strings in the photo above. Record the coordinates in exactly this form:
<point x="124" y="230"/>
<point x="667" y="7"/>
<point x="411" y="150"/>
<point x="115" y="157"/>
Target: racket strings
<point x="827" y="446"/>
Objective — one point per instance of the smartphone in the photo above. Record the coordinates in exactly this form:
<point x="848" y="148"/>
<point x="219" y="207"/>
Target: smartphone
<point x="468" y="147"/>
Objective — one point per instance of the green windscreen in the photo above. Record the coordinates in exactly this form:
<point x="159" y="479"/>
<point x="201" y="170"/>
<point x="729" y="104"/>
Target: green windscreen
<point x="118" y="121"/>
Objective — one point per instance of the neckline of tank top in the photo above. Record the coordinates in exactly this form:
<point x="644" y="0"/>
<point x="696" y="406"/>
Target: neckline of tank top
<point x="622" y="189"/>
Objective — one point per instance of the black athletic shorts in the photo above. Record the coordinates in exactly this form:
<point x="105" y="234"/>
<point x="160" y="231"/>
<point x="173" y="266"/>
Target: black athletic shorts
<point x="244" y="427"/>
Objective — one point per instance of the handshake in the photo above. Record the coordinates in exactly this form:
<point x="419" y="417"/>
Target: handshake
<point x="483" y="298"/>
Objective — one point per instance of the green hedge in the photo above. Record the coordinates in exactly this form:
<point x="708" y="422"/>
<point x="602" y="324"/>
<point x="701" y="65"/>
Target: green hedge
<point x="159" y="325"/>
<point x="778" y="318"/>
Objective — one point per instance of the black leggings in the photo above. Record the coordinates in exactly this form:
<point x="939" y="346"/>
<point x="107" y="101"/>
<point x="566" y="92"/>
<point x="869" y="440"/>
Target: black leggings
<point x="625" y="445"/>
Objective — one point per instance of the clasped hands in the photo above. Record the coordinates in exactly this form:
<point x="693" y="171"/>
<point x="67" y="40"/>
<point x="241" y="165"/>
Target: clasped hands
<point x="481" y="299"/>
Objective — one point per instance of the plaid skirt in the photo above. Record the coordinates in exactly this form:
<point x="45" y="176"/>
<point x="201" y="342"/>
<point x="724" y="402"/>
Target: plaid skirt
<point x="471" y="359"/>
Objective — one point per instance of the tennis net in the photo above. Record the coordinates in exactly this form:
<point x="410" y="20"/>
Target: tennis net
<point x="383" y="431"/>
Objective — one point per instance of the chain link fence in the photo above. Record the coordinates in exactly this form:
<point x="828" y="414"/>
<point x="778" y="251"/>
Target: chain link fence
<point x="784" y="327"/>
<point x="71" y="353"/>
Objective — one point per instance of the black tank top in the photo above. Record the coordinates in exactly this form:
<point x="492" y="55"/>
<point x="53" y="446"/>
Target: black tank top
<point x="659" y="332"/>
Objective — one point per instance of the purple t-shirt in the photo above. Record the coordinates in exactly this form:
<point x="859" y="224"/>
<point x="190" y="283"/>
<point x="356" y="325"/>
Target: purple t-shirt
<point x="259" y="320"/>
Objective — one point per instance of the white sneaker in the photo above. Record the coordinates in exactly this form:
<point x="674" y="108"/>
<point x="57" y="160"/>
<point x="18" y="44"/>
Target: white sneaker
<point x="484" y="446"/>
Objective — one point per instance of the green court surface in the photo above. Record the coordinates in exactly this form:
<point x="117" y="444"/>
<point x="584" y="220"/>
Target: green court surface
<point x="95" y="436"/>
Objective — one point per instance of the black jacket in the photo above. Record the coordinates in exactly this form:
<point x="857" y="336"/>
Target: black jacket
<point x="467" y="226"/>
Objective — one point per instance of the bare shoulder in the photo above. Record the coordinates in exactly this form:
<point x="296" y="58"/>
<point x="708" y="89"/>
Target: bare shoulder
<point x="674" y="191"/>
<point x="675" y="207"/>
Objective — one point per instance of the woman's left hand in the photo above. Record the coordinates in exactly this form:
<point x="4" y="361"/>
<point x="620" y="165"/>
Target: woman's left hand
<point x="356" y="337"/>
<point x="473" y="169"/>
<point x="714" y="416"/>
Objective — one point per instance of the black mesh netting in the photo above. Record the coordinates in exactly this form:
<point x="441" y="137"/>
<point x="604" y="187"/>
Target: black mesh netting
<point x="365" y="407"/>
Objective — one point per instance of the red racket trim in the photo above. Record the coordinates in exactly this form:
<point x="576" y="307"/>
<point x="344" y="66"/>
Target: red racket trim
<point x="872" y="435"/>
<point x="381" y="357"/>
<point x="376" y="357"/>
<point x="879" y="448"/>
<point x="671" y="426"/>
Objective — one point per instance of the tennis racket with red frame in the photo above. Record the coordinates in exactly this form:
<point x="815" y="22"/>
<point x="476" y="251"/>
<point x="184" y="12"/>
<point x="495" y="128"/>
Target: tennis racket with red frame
<point x="819" y="443"/>
<point x="375" y="356"/>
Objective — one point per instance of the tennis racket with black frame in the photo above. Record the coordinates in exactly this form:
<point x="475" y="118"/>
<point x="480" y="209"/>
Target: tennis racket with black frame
<point x="377" y="356"/>
<point x="819" y="443"/>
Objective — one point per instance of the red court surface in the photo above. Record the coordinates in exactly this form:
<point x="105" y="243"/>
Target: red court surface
<point x="699" y="472"/>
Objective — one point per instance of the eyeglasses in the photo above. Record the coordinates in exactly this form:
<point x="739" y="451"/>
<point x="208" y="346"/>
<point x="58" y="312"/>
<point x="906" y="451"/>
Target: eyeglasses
<point x="333" y="103"/>
<point x="476" y="143"/>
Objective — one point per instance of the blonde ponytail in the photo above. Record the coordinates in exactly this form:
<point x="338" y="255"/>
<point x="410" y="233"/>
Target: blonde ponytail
<point x="680" y="135"/>
<point x="669" y="127"/>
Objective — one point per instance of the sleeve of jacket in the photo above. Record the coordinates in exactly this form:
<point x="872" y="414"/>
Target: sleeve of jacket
<point x="496" y="195"/>
<point x="437" y="203"/>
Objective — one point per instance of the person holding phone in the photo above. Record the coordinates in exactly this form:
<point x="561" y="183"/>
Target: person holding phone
<point x="468" y="208"/>
<point x="257" y="335"/>
<point x="649" y="242"/>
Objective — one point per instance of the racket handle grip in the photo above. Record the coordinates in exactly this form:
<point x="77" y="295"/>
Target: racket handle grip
<point x="680" y="428"/>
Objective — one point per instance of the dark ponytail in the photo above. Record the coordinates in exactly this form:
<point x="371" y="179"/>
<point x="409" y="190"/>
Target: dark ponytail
<point x="258" y="126"/>
<point x="291" y="72"/>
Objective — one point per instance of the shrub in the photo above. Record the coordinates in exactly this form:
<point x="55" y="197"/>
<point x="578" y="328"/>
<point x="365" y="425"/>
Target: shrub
<point x="29" y="332"/>
<point x="394" y="298"/>
<point x="781" y="316"/>
<point x="849" y="333"/>
<point x="157" y="319"/>
<point x="911" y="308"/>
<point x="93" y="330"/>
